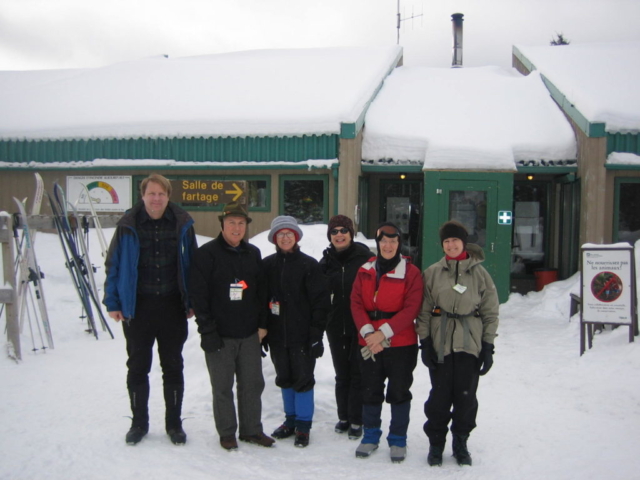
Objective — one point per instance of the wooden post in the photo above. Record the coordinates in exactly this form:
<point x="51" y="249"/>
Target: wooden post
<point x="8" y="290"/>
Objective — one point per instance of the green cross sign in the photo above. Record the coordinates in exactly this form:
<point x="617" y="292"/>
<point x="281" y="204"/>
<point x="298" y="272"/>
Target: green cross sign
<point x="505" y="217"/>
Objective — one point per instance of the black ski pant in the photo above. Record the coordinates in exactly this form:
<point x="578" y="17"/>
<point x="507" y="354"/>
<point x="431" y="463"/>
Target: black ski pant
<point x="344" y="353"/>
<point x="294" y="367"/>
<point x="394" y="365"/>
<point x="160" y="319"/>
<point x="454" y="384"/>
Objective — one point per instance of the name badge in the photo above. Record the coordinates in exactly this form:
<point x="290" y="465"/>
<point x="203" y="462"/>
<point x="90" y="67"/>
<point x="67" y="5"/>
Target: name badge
<point x="460" y="288"/>
<point x="235" y="292"/>
<point x="275" y="308"/>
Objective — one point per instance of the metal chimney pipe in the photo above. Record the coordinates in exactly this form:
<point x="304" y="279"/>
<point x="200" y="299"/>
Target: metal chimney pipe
<point x="457" y="20"/>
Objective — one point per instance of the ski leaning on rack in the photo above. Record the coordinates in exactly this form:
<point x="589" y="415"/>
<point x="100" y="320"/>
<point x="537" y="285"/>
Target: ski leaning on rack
<point x="71" y="265"/>
<point x="19" y="241"/>
<point x="31" y="280"/>
<point x="87" y="267"/>
<point x="75" y="262"/>
<point x="81" y="236"/>
<point x="96" y="222"/>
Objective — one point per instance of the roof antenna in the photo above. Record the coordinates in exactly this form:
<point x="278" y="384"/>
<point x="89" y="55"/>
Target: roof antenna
<point x="400" y="20"/>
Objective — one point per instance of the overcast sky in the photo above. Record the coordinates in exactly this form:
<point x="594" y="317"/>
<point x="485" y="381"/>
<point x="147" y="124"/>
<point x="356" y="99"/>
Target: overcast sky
<point x="36" y="34"/>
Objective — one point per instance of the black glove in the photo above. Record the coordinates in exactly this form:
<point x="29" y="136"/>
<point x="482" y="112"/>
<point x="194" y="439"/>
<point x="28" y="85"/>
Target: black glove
<point x="316" y="348"/>
<point x="486" y="357"/>
<point x="211" y="342"/>
<point x="264" y="347"/>
<point x="428" y="353"/>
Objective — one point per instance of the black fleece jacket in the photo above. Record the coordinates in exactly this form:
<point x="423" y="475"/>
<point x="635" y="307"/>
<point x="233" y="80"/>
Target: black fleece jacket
<point x="341" y="269"/>
<point x="296" y="282"/>
<point x="216" y="265"/>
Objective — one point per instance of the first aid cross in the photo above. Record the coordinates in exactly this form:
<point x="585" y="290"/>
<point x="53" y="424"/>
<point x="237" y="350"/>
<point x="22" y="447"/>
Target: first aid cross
<point x="504" y="217"/>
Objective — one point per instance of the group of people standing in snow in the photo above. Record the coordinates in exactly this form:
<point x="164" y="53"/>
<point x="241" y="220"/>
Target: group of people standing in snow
<point x="378" y="311"/>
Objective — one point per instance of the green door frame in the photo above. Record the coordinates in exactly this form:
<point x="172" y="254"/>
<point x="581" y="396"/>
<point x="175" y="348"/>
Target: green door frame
<point x="363" y="205"/>
<point x="616" y="204"/>
<point x="570" y="225"/>
<point x="499" y="188"/>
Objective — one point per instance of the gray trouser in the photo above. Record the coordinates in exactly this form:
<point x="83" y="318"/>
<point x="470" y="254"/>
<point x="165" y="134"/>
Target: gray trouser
<point x="239" y="359"/>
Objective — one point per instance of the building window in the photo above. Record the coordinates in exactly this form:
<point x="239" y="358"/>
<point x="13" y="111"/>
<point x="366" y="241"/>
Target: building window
<point x="305" y="198"/>
<point x="257" y="194"/>
<point x="627" y="222"/>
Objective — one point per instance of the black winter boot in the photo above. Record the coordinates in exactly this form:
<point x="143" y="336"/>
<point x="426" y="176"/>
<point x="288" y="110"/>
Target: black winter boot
<point x="139" y="399"/>
<point x="135" y="434"/>
<point x="434" y="459"/>
<point x="342" y="426"/>
<point x="287" y="429"/>
<point x="302" y="433"/>
<point x="173" y="395"/>
<point x="302" y="439"/>
<point x="460" y="452"/>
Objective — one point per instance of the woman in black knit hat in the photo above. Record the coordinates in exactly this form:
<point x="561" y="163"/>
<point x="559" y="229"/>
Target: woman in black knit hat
<point x="457" y="326"/>
<point x="340" y="263"/>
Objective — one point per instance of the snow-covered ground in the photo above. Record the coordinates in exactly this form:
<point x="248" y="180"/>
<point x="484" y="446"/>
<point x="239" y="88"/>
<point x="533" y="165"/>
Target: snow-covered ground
<point x="545" y="412"/>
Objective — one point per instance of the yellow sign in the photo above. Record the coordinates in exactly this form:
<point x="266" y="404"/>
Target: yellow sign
<point x="207" y="193"/>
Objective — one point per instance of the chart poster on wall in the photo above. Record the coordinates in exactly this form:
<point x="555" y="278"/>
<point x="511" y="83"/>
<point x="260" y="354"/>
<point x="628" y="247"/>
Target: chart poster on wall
<point x="106" y="193"/>
<point x="607" y="285"/>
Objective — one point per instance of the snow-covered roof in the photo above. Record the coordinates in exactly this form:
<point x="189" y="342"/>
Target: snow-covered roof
<point x="253" y="93"/>
<point x="485" y="118"/>
<point x="619" y="158"/>
<point x="599" y="79"/>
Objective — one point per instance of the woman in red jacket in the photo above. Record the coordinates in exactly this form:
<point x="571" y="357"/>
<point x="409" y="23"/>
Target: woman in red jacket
<point x="385" y="300"/>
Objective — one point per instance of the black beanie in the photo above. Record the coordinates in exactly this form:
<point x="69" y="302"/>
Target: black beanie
<point x="453" y="229"/>
<point x="340" y="221"/>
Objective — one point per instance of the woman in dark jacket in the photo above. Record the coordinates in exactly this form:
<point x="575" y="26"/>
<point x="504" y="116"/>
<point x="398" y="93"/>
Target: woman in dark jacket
<point x="298" y="307"/>
<point x="340" y="263"/>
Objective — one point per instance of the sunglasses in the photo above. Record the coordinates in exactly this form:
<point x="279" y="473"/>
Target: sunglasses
<point x="342" y="230"/>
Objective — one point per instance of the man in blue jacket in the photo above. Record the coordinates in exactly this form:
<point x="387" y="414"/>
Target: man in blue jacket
<point x="147" y="270"/>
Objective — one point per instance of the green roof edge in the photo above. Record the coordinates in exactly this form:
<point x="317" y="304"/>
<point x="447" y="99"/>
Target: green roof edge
<point x="591" y="129"/>
<point x="351" y="130"/>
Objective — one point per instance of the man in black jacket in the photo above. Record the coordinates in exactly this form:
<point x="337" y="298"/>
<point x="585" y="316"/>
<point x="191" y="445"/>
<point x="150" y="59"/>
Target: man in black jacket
<point x="228" y="295"/>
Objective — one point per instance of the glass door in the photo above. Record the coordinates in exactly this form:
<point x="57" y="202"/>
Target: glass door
<point x="530" y="227"/>
<point x="469" y="203"/>
<point x="400" y="203"/>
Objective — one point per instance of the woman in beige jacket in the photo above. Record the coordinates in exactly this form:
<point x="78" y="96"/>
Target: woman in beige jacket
<point x="457" y="326"/>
